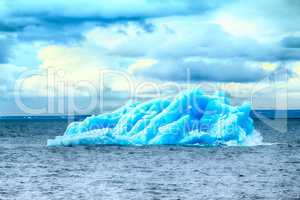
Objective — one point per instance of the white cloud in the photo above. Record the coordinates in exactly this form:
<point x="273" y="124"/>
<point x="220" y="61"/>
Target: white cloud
<point x="180" y="37"/>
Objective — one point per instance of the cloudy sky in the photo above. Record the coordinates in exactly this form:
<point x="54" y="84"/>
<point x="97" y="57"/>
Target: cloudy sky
<point x="56" y="55"/>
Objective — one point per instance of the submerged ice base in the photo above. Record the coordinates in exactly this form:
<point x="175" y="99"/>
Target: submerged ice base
<point x="191" y="118"/>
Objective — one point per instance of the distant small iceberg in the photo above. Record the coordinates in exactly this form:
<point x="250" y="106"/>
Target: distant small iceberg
<point x="191" y="118"/>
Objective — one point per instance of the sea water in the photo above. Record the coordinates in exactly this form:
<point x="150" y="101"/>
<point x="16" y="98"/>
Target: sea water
<point x="31" y="170"/>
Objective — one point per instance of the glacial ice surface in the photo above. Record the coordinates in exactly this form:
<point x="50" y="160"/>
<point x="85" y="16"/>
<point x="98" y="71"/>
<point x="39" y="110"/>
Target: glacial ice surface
<point x="191" y="118"/>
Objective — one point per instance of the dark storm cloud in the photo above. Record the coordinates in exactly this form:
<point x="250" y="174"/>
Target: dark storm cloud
<point x="10" y="27"/>
<point x="5" y="47"/>
<point x="225" y="71"/>
<point x="21" y="13"/>
<point x="291" y="42"/>
<point x="3" y="51"/>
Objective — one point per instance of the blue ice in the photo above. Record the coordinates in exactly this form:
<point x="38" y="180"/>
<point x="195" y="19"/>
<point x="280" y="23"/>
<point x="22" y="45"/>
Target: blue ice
<point x="191" y="118"/>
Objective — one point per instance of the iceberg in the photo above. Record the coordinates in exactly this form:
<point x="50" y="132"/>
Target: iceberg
<point x="191" y="118"/>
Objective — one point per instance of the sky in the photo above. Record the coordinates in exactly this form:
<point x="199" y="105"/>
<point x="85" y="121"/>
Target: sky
<point x="87" y="56"/>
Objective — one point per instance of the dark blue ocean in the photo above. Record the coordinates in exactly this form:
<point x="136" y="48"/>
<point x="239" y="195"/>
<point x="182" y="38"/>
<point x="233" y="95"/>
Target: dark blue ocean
<point x="30" y="170"/>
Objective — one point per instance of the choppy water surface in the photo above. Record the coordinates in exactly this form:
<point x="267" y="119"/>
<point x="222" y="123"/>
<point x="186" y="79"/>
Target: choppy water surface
<point x="30" y="170"/>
